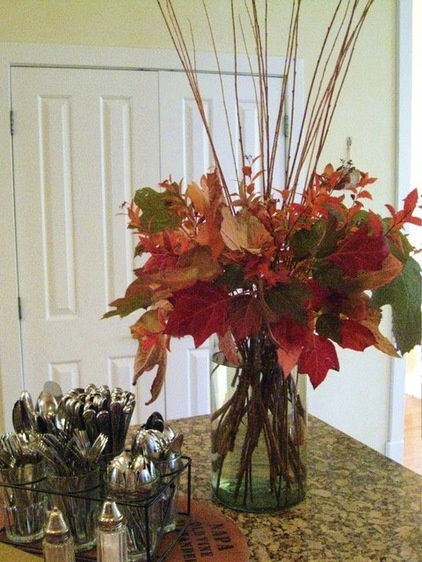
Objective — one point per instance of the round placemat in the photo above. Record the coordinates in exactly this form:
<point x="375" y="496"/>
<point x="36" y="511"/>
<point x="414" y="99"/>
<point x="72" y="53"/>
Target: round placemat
<point x="209" y="536"/>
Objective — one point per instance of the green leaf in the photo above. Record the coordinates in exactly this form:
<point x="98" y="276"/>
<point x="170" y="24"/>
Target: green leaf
<point x="289" y="299"/>
<point x="232" y="277"/>
<point x="328" y="326"/>
<point x="319" y="241"/>
<point x="404" y="296"/>
<point x="303" y="243"/>
<point x="128" y="304"/>
<point x="156" y="214"/>
<point x="403" y="252"/>
<point x="328" y="275"/>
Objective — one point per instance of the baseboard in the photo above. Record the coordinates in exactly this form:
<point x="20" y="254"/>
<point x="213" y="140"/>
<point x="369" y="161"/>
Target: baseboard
<point x="395" y="450"/>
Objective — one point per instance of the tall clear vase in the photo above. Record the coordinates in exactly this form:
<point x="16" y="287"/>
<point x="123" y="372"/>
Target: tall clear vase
<point x="258" y="430"/>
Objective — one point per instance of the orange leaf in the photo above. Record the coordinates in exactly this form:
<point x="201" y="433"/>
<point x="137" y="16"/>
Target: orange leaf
<point x="391" y="267"/>
<point x="209" y="235"/>
<point x="227" y="346"/>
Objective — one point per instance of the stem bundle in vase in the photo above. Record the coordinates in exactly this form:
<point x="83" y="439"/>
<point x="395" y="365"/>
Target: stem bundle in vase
<point x="258" y="431"/>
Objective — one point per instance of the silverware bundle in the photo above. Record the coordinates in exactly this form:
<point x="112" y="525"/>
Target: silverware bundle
<point x="98" y="410"/>
<point x="18" y="449"/>
<point x="72" y="435"/>
<point x="71" y="457"/>
<point x="21" y="472"/>
<point x="135" y="479"/>
<point x="78" y="427"/>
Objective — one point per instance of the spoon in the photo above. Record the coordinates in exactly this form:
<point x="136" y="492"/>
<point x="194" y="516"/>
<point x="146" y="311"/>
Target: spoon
<point x="52" y="387"/>
<point x="29" y="415"/>
<point x="46" y="405"/>
<point x="17" y="418"/>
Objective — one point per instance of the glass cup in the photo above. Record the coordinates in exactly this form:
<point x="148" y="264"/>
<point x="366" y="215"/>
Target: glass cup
<point x="141" y="511"/>
<point x="80" y="509"/>
<point x="142" y="530"/>
<point x="24" y="506"/>
<point x="169" y="479"/>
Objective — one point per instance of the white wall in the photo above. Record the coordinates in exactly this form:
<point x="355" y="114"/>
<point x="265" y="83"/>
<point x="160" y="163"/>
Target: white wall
<point x="413" y="363"/>
<point x="357" y="400"/>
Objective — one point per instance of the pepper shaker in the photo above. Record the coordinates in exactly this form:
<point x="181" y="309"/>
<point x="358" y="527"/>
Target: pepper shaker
<point x="111" y="534"/>
<point x="57" y="544"/>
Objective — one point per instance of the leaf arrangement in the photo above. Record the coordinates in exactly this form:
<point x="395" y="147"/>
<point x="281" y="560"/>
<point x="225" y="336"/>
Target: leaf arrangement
<point x="308" y="274"/>
<point x="306" y="264"/>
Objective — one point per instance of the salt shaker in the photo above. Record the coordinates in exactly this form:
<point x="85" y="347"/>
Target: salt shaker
<point x="111" y="534"/>
<point x="57" y="544"/>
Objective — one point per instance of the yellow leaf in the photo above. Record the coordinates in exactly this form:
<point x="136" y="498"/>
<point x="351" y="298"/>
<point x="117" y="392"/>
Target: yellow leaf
<point x="198" y="197"/>
<point x="372" y="323"/>
<point x="195" y="265"/>
<point x="156" y="356"/>
<point x="145" y="360"/>
<point x="157" y="383"/>
<point x="244" y="232"/>
<point x="151" y="321"/>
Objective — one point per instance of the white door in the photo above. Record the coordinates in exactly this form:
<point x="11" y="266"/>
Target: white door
<point x="84" y="140"/>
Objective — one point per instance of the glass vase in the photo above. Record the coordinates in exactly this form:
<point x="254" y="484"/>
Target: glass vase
<point x="258" y="429"/>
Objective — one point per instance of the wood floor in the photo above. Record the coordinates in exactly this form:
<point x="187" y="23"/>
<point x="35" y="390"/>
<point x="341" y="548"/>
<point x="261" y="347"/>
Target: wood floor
<point x="413" y="434"/>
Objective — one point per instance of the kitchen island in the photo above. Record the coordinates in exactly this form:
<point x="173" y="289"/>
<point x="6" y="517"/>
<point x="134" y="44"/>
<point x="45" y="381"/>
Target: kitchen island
<point x="360" y="506"/>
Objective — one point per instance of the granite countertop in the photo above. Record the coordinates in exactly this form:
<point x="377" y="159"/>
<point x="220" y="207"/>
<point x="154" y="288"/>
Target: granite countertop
<point x="360" y="506"/>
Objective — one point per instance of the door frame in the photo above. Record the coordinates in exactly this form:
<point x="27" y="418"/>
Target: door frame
<point x="13" y="54"/>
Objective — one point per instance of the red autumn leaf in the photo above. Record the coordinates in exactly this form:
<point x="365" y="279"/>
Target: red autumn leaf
<point x="406" y="214"/>
<point x="365" y="194"/>
<point x="375" y="223"/>
<point x="355" y="336"/>
<point x="317" y="358"/>
<point x="228" y="348"/>
<point x="360" y="252"/>
<point x="290" y="337"/>
<point x="199" y="311"/>
<point x="245" y="316"/>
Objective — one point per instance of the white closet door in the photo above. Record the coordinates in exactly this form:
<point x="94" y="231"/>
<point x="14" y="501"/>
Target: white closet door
<point x="84" y="140"/>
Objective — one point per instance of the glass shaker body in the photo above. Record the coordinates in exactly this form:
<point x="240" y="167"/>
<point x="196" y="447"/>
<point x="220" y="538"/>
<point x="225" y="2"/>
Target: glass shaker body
<point x="112" y="545"/>
<point x="111" y="535"/>
<point x="60" y="552"/>
<point x="58" y="544"/>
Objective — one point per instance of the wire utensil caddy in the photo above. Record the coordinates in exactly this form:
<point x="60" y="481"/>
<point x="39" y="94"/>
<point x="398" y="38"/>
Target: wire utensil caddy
<point x="179" y="480"/>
